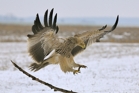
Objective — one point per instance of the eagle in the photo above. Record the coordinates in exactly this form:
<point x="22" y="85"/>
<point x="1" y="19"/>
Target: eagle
<point x="45" y="47"/>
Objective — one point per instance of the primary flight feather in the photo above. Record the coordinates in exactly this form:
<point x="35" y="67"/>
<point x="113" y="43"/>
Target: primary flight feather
<point x="45" y="47"/>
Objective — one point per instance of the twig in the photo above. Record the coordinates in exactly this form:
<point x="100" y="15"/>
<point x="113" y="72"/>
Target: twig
<point x="42" y="82"/>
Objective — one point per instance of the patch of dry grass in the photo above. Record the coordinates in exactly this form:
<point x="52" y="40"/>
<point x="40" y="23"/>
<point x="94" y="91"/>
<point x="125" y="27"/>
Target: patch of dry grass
<point x="17" y="33"/>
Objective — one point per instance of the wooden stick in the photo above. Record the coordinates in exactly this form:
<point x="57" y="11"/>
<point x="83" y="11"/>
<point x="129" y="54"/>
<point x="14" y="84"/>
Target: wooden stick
<point x="42" y="82"/>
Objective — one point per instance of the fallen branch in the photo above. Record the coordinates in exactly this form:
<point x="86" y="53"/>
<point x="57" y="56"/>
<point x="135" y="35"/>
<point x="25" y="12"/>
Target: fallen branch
<point x="42" y="82"/>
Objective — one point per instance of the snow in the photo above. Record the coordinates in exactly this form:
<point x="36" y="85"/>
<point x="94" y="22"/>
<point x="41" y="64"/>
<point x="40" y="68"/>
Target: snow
<point x="111" y="68"/>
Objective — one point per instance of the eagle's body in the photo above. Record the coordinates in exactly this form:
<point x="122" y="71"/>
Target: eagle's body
<point x="46" y="47"/>
<point x="57" y="50"/>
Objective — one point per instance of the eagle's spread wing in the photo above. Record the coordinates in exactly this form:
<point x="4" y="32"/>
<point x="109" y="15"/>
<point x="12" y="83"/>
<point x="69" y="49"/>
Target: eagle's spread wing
<point x="37" y="27"/>
<point x="44" y="39"/>
<point x="92" y="36"/>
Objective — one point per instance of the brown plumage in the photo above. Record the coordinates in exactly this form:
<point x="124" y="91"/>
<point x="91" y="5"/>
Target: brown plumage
<point x="45" y="47"/>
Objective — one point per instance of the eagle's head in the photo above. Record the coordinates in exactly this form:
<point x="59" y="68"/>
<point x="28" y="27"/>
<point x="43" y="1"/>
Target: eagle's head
<point x="80" y="42"/>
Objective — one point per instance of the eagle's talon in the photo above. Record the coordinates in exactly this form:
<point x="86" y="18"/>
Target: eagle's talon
<point x="76" y="72"/>
<point x="83" y="66"/>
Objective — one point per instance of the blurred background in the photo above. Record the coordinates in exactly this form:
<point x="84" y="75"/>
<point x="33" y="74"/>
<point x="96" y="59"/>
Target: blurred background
<point x="112" y="64"/>
<point x="17" y="17"/>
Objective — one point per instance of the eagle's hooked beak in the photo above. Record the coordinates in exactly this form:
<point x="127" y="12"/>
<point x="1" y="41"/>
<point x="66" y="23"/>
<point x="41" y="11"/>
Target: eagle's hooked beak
<point x="82" y="45"/>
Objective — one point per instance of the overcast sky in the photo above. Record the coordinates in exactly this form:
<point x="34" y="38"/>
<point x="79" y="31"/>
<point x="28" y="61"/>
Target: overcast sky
<point x="71" y="8"/>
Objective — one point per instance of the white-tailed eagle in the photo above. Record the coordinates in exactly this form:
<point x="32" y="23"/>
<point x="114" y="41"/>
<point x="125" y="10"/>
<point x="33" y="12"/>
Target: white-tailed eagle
<point x="46" y="48"/>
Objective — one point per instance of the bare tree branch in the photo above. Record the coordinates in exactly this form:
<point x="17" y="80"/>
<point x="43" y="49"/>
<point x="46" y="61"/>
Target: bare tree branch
<point x="42" y="82"/>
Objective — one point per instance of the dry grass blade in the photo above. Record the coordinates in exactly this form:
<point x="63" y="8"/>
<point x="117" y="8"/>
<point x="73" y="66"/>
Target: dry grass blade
<point x="42" y="82"/>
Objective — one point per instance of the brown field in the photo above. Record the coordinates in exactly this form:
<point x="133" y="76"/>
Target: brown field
<point x="17" y="33"/>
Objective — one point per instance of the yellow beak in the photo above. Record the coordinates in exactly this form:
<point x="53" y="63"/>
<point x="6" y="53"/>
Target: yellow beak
<point x="82" y="45"/>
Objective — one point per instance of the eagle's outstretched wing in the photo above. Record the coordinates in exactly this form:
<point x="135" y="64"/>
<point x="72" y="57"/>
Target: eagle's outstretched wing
<point x="44" y="39"/>
<point x="37" y="27"/>
<point x="92" y="36"/>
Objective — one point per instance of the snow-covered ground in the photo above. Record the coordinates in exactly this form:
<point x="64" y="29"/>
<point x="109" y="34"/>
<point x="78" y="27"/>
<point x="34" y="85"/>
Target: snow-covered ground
<point x="111" y="68"/>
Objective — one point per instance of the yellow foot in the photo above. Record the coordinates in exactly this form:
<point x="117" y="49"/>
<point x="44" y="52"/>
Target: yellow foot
<point x="76" y="72"/>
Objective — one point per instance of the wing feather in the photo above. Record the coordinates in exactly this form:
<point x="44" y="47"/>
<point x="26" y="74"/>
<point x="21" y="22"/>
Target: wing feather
<point x="92" y="36"/>
<point x="37" y="27"/>
<point x="51" y="18"/>
<point x="44" y="39"/>
<point x="45" y="18"/>
<point x="54" y="22"/>
<point x="37" y="52"/>
<point x="41" y="44"/>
